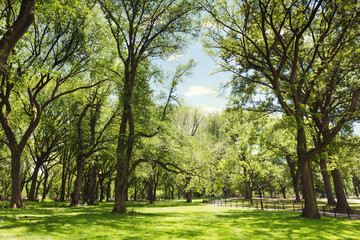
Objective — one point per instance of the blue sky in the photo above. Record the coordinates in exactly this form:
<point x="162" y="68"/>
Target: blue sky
<point x="203" y="88"/>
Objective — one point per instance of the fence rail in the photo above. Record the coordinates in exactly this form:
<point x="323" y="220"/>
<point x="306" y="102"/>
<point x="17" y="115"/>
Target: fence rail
<point x="294" y="207"/>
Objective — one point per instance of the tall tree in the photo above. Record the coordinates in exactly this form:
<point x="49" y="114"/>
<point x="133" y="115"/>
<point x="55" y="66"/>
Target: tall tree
<point x="16" y="27"/>
<point x="143" y="29"/>
<point x="287" y="51"/>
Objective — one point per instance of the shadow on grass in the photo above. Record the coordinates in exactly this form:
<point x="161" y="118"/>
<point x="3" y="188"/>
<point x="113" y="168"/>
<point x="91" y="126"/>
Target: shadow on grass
<point x="166" y="219"/>
<point x="271" y="223"/>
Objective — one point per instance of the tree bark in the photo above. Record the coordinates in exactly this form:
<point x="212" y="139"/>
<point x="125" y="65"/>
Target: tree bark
<point x="32" y="196"/>
<point x="69" y="182"/>
<point x="92" y="188"/>
<point x="16" y="201"/>
<point x="124" y="149"/>
<point x="283" y="190"/>
<point x="120" y="194"/>
<point x="151" y="197"/>
<point x="342" y="202"/>
<point x="311" y="208"/>
<point x="355" y="189"/>
<point x="17" y="30"/>
<point x="188" y="191"/>
<point x="296" y="188"/>
<point x="45" y="185"/>
<point x="246" y="183"/>
<point x="101" y="183"/>
<point x="75" y="196"/>
<point x="327" y="184"/>
<point x="63" y="183"/>
<point x="295" y="176"/>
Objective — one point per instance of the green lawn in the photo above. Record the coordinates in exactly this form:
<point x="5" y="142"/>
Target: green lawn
<point x="166" y="220"/>
<point x="288" y="204"/>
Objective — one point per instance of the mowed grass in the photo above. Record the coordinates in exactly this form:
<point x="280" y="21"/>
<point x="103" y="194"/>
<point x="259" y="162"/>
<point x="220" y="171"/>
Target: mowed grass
<point x="166" y="220"/>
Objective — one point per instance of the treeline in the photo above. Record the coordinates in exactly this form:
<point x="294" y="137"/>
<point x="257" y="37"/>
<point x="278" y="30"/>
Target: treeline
<point x="80" y="119"/>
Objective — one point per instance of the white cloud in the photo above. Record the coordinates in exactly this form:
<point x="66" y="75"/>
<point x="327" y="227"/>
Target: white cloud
<point x="199" y="90"/>
<point x="174" y="57"/>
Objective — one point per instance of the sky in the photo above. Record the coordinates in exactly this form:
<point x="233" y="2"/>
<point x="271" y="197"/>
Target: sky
<point x="203" y="88"/>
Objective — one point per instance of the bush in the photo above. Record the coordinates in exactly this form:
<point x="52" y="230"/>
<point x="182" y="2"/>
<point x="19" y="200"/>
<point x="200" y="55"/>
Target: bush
<point x="4" y="204"/>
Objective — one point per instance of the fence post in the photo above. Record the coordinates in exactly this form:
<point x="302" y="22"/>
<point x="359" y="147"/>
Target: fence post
<point x="230" y="204"/>
<point x="242" y="204"/>
<point x="257" y="206"/>
<point x="324" y="210"/>
<point x="274" y="206"/>
<point x="348" y="212"/>
<point x="284" y="206"/>
<point x="266" y="205"/>
<point x="335" y="212"/>
<point x="293" y="207"/>
<point x="302" y="206"/>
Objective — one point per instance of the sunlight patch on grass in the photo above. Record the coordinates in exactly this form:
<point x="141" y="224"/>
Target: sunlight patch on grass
<point x="167" y="220"/>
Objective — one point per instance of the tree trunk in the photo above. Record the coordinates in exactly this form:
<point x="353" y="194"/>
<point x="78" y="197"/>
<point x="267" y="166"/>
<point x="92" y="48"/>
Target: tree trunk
<point x="92" y="185"/>
<point x="188" y="191"/>
<point x="342" y="202"/>
<point x="124" y="151"/>
<point x="172" y="191"/>
<point x="16" y="201"/>
<point x="247" y="182"/>
<point x="135" y="191"/>
<point x="75" y="196"/>
<point x="326" y="178"/>
<point x="120" y="194"/>
<point x="354" y="183"/>
<point x="251" y="194"/>
<point x="108" y="191"/>
<point x="70" y="179"/>
<point x="63" y="183"/>
<point x="311" y="208"/>
<point x="32" y="196"/>
<point x="295" y="176"/>
<point x="151" y="197"/>
<point x="296" y="188"/>
<point x="283" y="190"/>
<point x="101" y="183"/>
<point x="45" y="186"/>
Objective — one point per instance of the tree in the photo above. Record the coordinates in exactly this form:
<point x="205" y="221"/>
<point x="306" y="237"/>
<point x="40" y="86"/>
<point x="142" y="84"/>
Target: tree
<point x="286" y="51"/>
<point x="279" y="140"/>
<point x="91" y="126"/>
<point x="46" y="60"/>
<point x="142" y="30"/>
<point x="13" y="32"/>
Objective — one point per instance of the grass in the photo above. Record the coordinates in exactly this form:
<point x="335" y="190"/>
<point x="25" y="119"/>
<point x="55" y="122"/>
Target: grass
<point x="289" y="204"/>
<point x="166" y="220"/>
